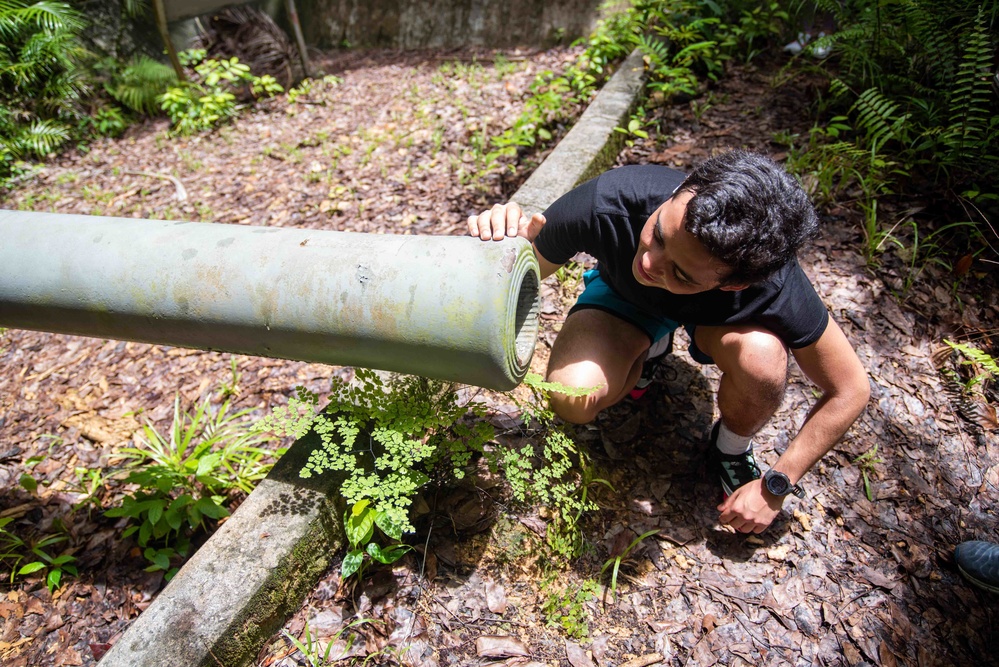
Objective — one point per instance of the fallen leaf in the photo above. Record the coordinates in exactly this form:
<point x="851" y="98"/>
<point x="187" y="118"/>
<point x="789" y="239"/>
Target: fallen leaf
<point x="779" y="552"/>
<point x="495" y="597"/>
<point x="709" y="622"/>
<point x="496" y="646"/>
<point x="577" y="656"/>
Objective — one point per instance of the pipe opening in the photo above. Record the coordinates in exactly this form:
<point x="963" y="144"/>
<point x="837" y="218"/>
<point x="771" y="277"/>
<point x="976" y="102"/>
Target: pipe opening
<point x="526" y="322"/>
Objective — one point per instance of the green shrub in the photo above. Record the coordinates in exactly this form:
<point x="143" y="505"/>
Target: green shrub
<point x="209" y="100"/>
<point x="188" y="476"/>
<point x="684" y="42"/>
<point x="42" y="78"/>
<point x="392" y="438"/>
<point x="915" y="90"/>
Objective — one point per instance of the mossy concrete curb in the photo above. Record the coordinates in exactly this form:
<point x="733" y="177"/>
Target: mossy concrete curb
<point x="591" y="145"/>
<point x="255" y="571"/>
<point x="244" y="582"/>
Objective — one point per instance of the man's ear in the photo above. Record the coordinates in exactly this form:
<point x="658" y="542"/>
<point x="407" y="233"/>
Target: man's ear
<point x="734" y="288"/>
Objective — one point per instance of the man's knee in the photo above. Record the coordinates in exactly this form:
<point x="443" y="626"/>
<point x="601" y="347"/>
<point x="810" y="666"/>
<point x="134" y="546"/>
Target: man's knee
<point x="755" y="356"/>
<point x="572" y="408"/>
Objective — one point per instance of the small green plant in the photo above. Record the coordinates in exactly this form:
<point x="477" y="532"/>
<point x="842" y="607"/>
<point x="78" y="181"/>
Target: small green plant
<point x="231" y="388"/>
<point x="566" y="608"/>
<point x="634" y="129"/>
<point x="35" y="555"/>
<point x="390" y="438"/>
<point x="554" y="473"/>
<point x="313" y="651"/>
<point x="208" y="99"/>
<point x="570" y="276"/>
<point x="89" y="481"/>
<point x="985" y="367"/>
<point x="866" y="462"/>
<point x="186" y="477"/>
<point x="360" y="523"/>
<point x="614" y="562"/>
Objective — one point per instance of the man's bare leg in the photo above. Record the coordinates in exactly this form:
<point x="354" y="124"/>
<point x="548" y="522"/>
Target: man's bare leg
<point x="753" y="363"/>
<point x="595" y="349"/>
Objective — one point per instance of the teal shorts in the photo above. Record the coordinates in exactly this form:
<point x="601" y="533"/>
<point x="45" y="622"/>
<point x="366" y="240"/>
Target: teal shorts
<point x="598" y="295"/>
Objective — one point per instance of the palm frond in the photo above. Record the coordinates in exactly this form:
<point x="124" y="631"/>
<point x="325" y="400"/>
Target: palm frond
<point x="18" y="15"/>
<point x="41" y="138"/>
<point x="140" y="84"/>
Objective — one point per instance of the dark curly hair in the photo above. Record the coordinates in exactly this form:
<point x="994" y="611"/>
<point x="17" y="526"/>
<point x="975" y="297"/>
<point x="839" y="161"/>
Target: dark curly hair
<point x="749" y="213"/>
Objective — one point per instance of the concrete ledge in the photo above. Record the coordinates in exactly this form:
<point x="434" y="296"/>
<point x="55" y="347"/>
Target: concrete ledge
<point x="253" y="574"/>
<point x="247" y="579"/>
<point x="591" y="145"/>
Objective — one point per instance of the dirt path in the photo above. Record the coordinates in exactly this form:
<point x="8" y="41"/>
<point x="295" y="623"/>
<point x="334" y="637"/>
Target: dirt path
<point x="839" y="579"/>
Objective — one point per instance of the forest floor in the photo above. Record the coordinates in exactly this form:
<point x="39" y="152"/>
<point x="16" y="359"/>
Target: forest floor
<point x="853" y="574"/>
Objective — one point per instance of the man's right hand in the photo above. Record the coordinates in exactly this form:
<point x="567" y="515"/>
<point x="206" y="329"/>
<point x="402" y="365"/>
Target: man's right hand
<point x="504" y="220"/>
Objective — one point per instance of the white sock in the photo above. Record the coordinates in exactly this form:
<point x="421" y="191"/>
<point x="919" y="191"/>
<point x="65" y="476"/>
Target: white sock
<point x="658" y="348"/>
<point x="731" y="443"/>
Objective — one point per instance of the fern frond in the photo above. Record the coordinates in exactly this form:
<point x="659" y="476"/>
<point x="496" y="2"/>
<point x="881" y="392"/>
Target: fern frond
<point x="976" y="356"/>
<point x="935" y="57"/>
<point x="141" y="83"/>
<point x="972" y="96"/>
<point x="135" y="8"/>
<point x="19" y="15"/>
<point x="876" y="118"/>
<point x="42" y="138"/>
<point x="655" y="49"/>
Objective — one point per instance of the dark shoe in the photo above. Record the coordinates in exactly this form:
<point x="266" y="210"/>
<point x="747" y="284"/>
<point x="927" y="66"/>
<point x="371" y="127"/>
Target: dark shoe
<point x="979" y="563"/>
<point x="732" y="471"/>
<point x="652" y="367"/>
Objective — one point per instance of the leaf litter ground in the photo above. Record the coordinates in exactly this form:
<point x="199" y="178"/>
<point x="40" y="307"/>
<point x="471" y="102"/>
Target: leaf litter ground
<point x="839" y="579"/>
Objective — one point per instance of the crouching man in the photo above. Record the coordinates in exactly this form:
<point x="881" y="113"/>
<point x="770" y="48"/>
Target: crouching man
<point x="714" y="252"/>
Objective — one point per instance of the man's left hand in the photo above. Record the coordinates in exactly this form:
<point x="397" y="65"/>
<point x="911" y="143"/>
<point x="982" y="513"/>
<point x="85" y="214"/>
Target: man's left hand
<point x="751" y="508"/>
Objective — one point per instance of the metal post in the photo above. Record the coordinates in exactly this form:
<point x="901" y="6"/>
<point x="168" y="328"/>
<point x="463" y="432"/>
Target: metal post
<point x="453" y="308"/>
<point x="293" y="19"/>
<point x="161" y="23"/>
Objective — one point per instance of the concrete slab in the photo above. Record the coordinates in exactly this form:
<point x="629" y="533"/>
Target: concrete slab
<point x="247" y="579"/>
<point x="255" y="571"/>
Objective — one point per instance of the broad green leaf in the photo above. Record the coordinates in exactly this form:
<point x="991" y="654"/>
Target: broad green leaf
<point x="29" y="483"/>
<point x="209" y="508"/>
<point x="351" y="563"/>
<point x="32" y="567"/>
<point x="389" y="525"/>
<point x="360" y="527"/>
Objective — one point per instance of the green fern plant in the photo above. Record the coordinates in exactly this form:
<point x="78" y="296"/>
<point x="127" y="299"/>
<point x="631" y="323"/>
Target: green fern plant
<point x="42" y="77"/>
<point x="139" y="85"/>
<point x="391" y="438"/>
<point x="985" y="365"/>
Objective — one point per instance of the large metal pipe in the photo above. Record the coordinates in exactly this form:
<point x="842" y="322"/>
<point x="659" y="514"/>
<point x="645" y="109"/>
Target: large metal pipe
<point x="452" y="308"/>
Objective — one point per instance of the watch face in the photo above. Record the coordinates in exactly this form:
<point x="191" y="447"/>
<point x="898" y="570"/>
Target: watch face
<point x="777" y="483"/>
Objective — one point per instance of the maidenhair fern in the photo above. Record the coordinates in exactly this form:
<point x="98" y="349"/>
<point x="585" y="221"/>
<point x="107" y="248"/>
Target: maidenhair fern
<point x="390" y="438"/>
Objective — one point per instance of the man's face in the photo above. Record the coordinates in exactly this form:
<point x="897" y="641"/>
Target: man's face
<point x="671" y="258"/>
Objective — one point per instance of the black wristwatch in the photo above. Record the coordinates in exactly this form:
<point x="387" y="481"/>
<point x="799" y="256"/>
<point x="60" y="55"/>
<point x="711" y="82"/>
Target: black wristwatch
<point x="779" y="485"/>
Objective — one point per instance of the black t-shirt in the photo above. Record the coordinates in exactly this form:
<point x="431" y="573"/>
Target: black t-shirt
<point x="604" y="217"/>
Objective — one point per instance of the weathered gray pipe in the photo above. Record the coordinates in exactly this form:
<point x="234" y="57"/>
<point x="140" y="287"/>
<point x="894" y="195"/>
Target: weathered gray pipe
<point x="452" y="308"/>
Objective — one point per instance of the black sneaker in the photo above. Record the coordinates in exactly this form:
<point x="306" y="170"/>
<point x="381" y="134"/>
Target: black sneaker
<point x="979" y="563"/>
<point x="652" y="367"/>
<point x="732" y="471"/>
